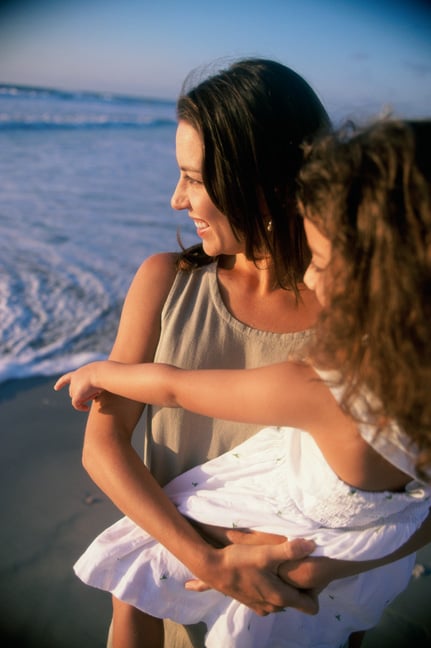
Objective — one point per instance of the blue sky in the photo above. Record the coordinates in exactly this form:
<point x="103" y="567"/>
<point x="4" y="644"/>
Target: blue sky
<point x="354" y="53"/>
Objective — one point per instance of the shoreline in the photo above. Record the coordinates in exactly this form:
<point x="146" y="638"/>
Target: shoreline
<point x="52" y="511"/>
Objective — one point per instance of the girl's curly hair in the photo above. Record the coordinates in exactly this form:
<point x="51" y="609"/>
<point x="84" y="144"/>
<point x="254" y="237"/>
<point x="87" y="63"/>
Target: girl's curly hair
<point x="370" y="193"/>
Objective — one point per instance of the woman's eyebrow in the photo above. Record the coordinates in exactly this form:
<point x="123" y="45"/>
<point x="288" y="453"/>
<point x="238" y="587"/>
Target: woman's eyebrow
<point x="190" y="169"/>
<point x="186" y="169"/>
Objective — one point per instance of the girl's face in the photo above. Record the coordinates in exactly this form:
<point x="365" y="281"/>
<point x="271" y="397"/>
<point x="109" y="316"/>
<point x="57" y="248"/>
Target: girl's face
<point x="320" y="248"/>
<point x="211" y="225"/>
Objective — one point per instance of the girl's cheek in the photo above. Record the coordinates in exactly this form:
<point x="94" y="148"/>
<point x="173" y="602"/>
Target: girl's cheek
<point x="309" y="278"/>
<point x="320" y="295"/>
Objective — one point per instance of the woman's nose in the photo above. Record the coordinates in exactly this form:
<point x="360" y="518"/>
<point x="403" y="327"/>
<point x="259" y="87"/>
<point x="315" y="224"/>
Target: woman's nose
<point x="179" y="198"/>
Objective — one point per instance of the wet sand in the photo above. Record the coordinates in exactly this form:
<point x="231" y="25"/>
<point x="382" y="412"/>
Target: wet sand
<point x="51" y="510"/>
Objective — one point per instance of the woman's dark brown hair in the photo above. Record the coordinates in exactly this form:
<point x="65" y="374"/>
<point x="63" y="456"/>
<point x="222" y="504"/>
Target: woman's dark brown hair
<point x="370" y="194"/>
<point x="253" y="117"/>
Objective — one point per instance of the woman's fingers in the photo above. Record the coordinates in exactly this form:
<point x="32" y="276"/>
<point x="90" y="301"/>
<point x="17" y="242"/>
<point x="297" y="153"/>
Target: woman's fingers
<point x="250" y="576"/>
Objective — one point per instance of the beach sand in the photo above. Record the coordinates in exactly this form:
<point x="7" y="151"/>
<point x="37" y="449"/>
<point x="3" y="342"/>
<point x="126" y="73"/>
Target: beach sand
<point x="51" y="510"/>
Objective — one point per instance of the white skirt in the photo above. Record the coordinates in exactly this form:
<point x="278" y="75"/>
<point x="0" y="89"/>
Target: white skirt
<point x="277" y="481"/>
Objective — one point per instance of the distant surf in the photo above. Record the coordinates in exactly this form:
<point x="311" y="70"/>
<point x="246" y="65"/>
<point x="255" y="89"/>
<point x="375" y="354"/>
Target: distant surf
<point x="86" y="185"/>
<point x="41" y="108"/>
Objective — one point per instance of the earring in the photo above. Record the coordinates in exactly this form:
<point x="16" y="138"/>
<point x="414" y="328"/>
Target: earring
<point x="269" y="226"/>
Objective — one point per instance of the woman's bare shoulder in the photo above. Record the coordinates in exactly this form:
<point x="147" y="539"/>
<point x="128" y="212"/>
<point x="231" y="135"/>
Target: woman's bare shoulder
<point x="162" y="264"/>
<point x="139" y="328"/>
<point x="156" y="273"/>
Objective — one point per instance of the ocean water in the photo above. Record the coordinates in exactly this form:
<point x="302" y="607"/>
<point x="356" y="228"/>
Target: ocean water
<point x="85" y="184"/>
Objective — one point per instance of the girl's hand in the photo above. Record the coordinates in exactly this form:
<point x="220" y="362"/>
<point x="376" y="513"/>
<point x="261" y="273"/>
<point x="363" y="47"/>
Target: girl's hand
<point x="82" y="386"/>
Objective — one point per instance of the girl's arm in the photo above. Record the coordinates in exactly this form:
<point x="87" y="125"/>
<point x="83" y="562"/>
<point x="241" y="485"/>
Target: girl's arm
<point x="259" y="395"/>
<point x="248" y="574"/>
<point x="317" y="572"/>
<point x="283" y="394"/>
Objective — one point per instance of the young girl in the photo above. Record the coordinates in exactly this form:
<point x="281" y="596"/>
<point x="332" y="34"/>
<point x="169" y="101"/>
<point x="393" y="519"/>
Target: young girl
<point x="352" y="471"/>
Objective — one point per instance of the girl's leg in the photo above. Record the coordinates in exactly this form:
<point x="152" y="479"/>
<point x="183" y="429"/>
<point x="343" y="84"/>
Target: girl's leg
<point x="132" y="628"/>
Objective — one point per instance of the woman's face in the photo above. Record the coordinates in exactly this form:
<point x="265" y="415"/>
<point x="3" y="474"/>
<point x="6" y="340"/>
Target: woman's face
<point x="320" y="248"/>
<point x="190" y="193"/>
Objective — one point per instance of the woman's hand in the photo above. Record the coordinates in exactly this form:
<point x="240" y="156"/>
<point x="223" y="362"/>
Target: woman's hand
<point x="250" y="574"/>
<point x="301" y="572"/>
<point x="304" y="572"/>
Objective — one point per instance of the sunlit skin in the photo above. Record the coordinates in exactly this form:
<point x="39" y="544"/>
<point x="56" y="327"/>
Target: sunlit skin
<point x="320" y="256"/>
<point x="190" y="193"/>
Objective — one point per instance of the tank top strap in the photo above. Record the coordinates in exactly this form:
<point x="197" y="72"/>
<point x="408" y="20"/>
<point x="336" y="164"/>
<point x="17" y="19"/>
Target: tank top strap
<point x="195" y="303"/>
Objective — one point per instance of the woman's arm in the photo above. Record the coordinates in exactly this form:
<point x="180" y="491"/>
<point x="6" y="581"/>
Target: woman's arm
<point x="248" y="574"/>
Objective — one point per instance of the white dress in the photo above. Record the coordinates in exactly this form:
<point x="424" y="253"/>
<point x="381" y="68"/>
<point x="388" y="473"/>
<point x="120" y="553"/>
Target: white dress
<point x="277" y="481"/>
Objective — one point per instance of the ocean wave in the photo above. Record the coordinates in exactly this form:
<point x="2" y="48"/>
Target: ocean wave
<point x="34" y="92"/>
<point x="28" y="108"/>
<point x="16" y="369"/>
<point x="77" y="217"/>
<point x="55" y="122"/>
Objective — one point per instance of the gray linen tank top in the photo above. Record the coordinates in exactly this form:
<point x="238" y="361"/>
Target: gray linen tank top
<point x="198" y="332"/>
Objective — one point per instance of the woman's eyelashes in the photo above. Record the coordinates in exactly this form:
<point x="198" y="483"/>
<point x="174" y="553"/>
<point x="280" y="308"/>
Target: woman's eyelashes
<point x="193" y="181"/>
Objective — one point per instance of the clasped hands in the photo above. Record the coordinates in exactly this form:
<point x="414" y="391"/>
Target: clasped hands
<point x="266" y="572"/>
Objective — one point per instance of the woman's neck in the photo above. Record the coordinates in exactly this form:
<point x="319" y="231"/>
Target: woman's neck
<point x="252" y="295"/>
<point x="257" y="277"/>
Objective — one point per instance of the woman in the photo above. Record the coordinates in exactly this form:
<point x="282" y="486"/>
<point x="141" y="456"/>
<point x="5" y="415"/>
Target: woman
<point x="235" y="302"/>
